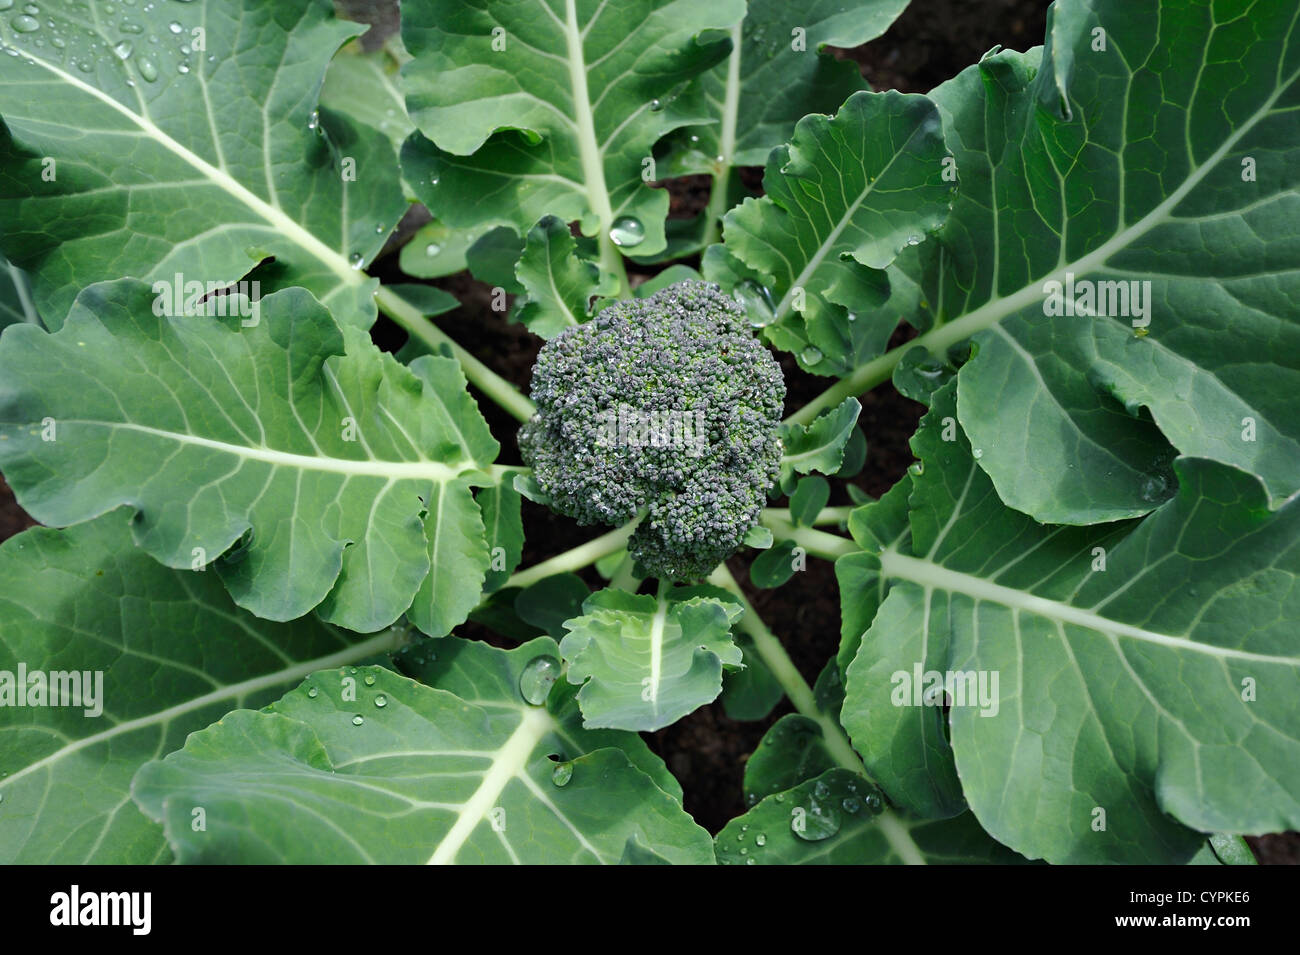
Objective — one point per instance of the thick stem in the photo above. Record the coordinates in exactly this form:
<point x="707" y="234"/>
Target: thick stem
<point x="818" y="543"/>
<point x="480" y="375"/>
<point x="726" y="142"/>
<point x="773" y="654"/>
<point x="827" y="515"/>
<point x="575" y="559"/>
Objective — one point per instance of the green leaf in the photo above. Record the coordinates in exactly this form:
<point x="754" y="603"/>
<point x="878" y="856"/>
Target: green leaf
<point x="359" y="85"/>
<point x="669" y="276"/>
<point x="758" y="537"/>
<point x="773" y="567"/>
<point x="536" y="108"/>
<point x="820" y="445"/>
<point x="775" y="76"/>
<point x="437" y="250"/>
<point x="503" y="530"/>
<point x="1145" y="670"/>
<point x="792" y="751"/>
<point x="294" y="439"/>
<point x="1091" y="169"/>
<point x="473" y="670"/>
<point x="808" y="498"/>
<point x="842" y="200"/>
<point x="644" y="662"/>
<point x="752" y="692"/>
<point x="428" y="776"/>
<point x="174" y="654"/>
<point x="458" y="555"/>
<point x="216" y="163"/>
<point x="559" y="284"/>
<point x="492" y="258"/>
<point x="550" y="602"/>
<point x="839" y="816"/>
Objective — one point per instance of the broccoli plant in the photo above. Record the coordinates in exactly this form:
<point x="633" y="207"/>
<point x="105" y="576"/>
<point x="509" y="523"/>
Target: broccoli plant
<point x="666" y="409"/>
<point x="312" y="583"/>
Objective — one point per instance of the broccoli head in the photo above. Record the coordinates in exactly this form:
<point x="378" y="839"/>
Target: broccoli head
<point x="665" y="406"/>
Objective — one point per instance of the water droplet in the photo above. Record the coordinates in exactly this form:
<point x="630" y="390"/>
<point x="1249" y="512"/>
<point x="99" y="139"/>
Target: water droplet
<point x="1153" y="487"/>
<point x="432" y="249"/>
<point x="182" y="68"/>
<point x="25" y="24"/>
<point x="851" y="804"/>
<point x="381" y="701"/>
<point x="562" y="774"/>
<point x="174" y="27"/>
<point x="311" y="692"/>
<point x="122" y="49"/>
<point x="32" y="8"/>
<point x="6" y="4"/>
<point x="821" y="790"/>
<point x="811" y="355"/>
<point x="816" y="823"/>
<point x="917" y="468"/>
<point x="760" y="840"/>
<point x="537" y="678"/>
<point x="627" y="232"/>
<point x="744" y="851"/>
<point x="874" y="803"/>
<point x="126" y="26"/>
<point x="977" y="453"/>
<point x="358" y="720"/>
<point x="354" y="260"/>
<point x="656" y="105"/>
<point x="313" y="121"/>
<point x="369" y="679"/>
<point x="757" y="300"/>
<point x="913" y="240"/>
<point x="147" y="70"/>
<point x="780" y="797"/>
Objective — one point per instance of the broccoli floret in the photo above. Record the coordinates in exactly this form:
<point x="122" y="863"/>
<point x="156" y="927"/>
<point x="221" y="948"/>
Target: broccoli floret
<point x="665" y="405"/>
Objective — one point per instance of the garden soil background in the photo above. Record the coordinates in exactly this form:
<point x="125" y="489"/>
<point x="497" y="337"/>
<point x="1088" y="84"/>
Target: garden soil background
<point x="931" y="42"/>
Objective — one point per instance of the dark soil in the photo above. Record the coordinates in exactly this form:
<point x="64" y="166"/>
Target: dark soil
<point x="706" y="751"/>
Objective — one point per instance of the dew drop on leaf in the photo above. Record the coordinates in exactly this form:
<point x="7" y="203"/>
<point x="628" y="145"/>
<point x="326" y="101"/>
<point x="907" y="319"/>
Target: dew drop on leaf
<point x="122" y="49"/>
<point x="381" y="701"/>
<point x="354" y="260"/>
<point x="757" y="301"/>
<point x="369" y="679"/>
<point x="811" y="355"/>
<point x="311" y="692"/>
<point x="562" y="774"/>
<point x="432" y="249"/>
<point x="656" y="105"/>
<point x="627" y="232"/>
<point x="537" y="678"/>
<point x="358" y="720"/>
<point x="174" y="27"/>
<point x="818" y="822"/>
<point x="760" y="839"/>
<point x="25" y="24"/>
<point x="6" y="4"/>
<point x="147" y="70"/>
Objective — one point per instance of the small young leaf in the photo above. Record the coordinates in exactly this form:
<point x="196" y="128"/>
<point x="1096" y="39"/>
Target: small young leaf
<point x="809" y="497"/>
<point x="643" y="661"/>
<point x="820" y="445"/>
<point x="560" y="285"/>
<point x="773" y="567"/>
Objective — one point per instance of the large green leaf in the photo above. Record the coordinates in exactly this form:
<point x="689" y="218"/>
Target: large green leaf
<point x="327" y="462"/>
<point x="842" y="200"/>
<point x="168" y="159"/>
<point x="834" y="819"/>
<point x="1147" y="673"/>
<point x="553" y="107"/>
<point x="409" y="773"/>
<point x="775" y="75"/>
<point x="174" y="654"/>
<point x="1161" y="149"/>
<point x="646" y="661"/>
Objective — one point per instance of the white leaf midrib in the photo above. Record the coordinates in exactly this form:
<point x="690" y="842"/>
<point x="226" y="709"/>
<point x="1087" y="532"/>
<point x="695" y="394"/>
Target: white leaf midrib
<point x="932" y="576"/>
<point x="393" y="470"/>
<point x="285" y="224"/>
<point x="234" y="691"/>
